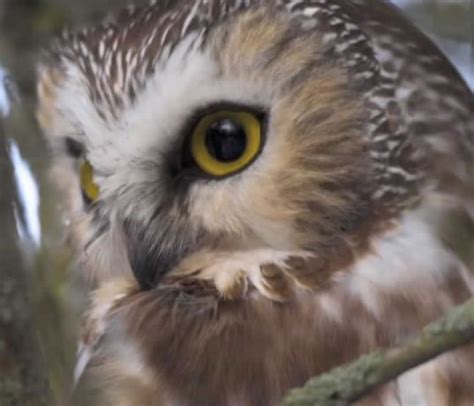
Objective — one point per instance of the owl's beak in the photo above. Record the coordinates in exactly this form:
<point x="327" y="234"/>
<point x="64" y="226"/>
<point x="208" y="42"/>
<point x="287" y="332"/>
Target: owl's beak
<point x="149" y="268"/>
<point x="153" y="260"/>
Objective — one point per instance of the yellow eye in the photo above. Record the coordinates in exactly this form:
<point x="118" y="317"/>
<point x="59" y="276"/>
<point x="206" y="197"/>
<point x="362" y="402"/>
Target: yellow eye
<point x="89" y="188"/>
<point x="225" y="142"/>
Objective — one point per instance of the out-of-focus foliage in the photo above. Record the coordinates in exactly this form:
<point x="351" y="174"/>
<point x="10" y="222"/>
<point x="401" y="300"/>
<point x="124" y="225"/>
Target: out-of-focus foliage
<point x="450" y="23"/>
<point x="40" y="298"/>
<point x="445" y="18"/>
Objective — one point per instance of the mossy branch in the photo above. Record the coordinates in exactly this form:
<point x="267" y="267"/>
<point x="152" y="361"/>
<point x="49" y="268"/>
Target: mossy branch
<point x="351" y="382"/>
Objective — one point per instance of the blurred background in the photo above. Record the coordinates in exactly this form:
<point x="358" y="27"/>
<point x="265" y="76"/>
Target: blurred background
<point x="40" y="296"/>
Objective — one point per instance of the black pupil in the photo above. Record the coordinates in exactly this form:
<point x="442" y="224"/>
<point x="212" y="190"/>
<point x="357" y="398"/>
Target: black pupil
<point x="226" y="140"/>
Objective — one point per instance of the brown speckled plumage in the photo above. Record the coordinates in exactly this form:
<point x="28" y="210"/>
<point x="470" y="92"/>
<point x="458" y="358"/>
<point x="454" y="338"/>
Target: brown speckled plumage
<point x="330" y="244"/>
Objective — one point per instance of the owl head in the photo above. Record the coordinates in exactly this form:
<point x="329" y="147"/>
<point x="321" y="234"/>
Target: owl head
<point x="188" y="136"/>
<point x="257" y="189"/>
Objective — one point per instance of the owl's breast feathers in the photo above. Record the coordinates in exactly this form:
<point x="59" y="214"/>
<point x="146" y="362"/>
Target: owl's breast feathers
<point x="246" y="328"/>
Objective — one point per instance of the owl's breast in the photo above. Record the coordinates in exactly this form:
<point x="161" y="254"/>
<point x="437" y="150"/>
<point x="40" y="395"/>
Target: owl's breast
<point x="185" y="343"/>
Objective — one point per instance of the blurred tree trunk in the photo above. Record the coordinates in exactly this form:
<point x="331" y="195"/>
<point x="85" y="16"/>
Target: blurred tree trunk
<point x="23" y="371"/>
<point x="22" y="376"/>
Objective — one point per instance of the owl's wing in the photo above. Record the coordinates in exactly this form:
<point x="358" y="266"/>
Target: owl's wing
<point x="423" y="96"/>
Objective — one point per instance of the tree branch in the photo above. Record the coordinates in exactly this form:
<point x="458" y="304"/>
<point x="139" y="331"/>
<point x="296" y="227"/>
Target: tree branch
<point x="353" y="381"/>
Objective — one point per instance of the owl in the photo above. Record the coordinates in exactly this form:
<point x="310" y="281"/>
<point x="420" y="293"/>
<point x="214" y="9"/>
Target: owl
<point x="260" y="191"/>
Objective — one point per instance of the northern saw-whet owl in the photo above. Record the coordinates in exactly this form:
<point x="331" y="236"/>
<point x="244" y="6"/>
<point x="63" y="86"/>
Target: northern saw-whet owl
<point x="260" y="191"/>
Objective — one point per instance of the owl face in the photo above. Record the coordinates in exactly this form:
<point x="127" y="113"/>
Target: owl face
<point x="247" y="135"/>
